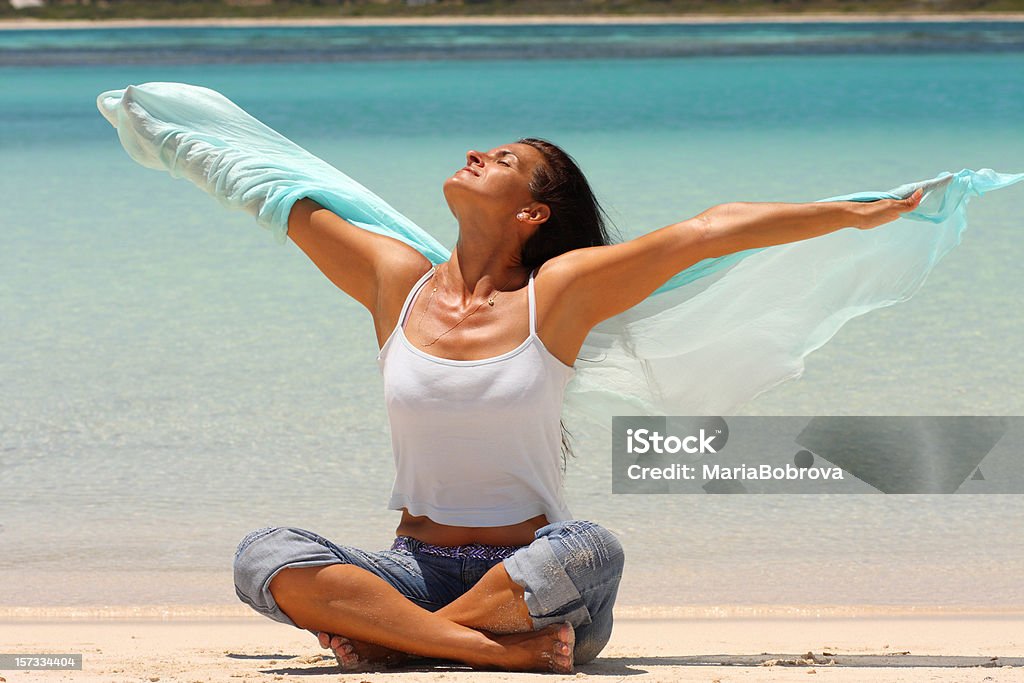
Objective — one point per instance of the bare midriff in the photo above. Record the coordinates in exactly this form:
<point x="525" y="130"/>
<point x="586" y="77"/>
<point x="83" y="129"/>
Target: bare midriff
<point x="429" y="531"/>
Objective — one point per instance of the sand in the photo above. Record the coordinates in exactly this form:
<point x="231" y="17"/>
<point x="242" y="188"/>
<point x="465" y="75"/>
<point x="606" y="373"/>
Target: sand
<point x="7" y="24"/>
<point x="861" y="646"/>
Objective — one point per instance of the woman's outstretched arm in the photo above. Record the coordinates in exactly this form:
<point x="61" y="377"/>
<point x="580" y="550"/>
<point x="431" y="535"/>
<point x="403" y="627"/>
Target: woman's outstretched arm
<point x="357" y="261"/>
<point x="738" y="226"/>
<point x="600" y="282"/>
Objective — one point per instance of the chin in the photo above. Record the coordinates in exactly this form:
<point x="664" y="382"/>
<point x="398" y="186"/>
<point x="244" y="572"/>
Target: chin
<point x="459" y="178"/>
<point x="446" y="189"/>
<point x="454" y="186"/>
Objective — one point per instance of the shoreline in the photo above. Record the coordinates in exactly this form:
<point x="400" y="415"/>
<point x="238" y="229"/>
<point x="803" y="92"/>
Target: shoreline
<point x="490" y="20"/>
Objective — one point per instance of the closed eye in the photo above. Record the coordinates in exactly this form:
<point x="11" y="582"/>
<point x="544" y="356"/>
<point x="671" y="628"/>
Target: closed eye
<point x="505" y="163"/>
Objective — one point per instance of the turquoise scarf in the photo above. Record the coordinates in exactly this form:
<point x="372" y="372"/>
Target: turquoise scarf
<point x="709" y="340"/>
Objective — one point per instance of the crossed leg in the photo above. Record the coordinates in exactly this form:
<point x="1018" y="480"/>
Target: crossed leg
<point x="488" y="626"/>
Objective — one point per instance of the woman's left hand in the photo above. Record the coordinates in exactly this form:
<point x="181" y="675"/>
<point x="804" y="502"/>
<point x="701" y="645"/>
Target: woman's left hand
<point x="885" y="211"/>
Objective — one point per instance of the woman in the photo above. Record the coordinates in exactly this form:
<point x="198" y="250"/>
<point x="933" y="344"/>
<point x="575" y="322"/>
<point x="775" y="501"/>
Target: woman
<point x="488" y="566"/>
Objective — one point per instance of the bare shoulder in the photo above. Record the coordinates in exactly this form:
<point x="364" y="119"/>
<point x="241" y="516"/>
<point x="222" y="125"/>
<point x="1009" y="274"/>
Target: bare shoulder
<point x="560" y="327"/>
<point x="399" y="270"/>
<point x="358" y="261"/>
<point x="558" y="286"/>
<point x="599" y="282"/>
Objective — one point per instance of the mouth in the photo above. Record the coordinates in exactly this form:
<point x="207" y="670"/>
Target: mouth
<point x="467" y="169"/>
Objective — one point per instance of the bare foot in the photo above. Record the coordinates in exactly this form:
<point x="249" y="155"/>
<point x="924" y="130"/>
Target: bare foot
<point x="548" y="649"/>
<point x="356" y="655"/>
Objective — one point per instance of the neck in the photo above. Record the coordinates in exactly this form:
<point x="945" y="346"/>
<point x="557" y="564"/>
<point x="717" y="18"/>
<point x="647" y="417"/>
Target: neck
<point x="480" y="265"/>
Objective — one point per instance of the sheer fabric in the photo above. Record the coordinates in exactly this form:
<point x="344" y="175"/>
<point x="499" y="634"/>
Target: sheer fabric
<point x="709" y="340"/>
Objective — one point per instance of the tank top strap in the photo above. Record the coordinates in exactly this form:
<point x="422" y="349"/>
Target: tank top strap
<point x="412" y="295"/>
<point x="533" y="305"/>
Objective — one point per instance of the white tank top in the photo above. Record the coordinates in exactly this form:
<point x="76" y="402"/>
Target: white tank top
<point x="476" y="442"/>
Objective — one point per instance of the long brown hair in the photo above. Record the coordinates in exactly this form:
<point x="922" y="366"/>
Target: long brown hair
<point x="577" y="219"/>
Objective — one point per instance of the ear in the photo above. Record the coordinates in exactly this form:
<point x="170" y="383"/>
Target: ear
<point x="538" y="213"/>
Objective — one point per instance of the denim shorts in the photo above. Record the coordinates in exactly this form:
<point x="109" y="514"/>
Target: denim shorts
<point x="570" y="572"/>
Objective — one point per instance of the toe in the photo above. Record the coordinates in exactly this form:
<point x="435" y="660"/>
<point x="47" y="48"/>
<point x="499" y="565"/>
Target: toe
<point x="570" y="635"/>
<point x="346" y="661"/>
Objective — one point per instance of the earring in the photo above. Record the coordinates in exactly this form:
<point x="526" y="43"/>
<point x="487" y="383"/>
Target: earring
<point x="521" y="216"/>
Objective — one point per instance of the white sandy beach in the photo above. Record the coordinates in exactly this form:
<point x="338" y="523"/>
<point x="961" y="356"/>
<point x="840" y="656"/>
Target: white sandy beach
<point x="35" y="24"/>
<point x="841" y="644"/>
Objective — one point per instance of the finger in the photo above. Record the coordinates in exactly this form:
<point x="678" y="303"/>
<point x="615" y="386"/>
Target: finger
<point x="325" y="640"/>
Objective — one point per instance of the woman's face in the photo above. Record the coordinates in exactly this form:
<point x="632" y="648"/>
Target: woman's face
<point x="498" y="179"/>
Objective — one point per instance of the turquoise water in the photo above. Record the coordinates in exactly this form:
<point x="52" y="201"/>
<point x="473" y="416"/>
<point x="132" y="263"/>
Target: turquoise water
<point x="173" y="378"/>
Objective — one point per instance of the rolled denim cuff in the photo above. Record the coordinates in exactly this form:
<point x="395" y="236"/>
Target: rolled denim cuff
<point x="550" y="594"/>
<point x="257" y="563"/>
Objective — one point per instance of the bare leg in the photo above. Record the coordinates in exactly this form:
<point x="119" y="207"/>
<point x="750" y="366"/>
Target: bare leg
<point x="495" y="604"/>
<point x="341" y="598"/>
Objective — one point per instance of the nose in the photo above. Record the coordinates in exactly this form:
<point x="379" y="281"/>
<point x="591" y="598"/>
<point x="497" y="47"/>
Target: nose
<point x="474" y="157"/>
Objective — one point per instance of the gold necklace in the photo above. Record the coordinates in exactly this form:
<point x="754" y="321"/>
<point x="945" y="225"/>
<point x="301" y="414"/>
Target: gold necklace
<point x="490" y="301"/>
